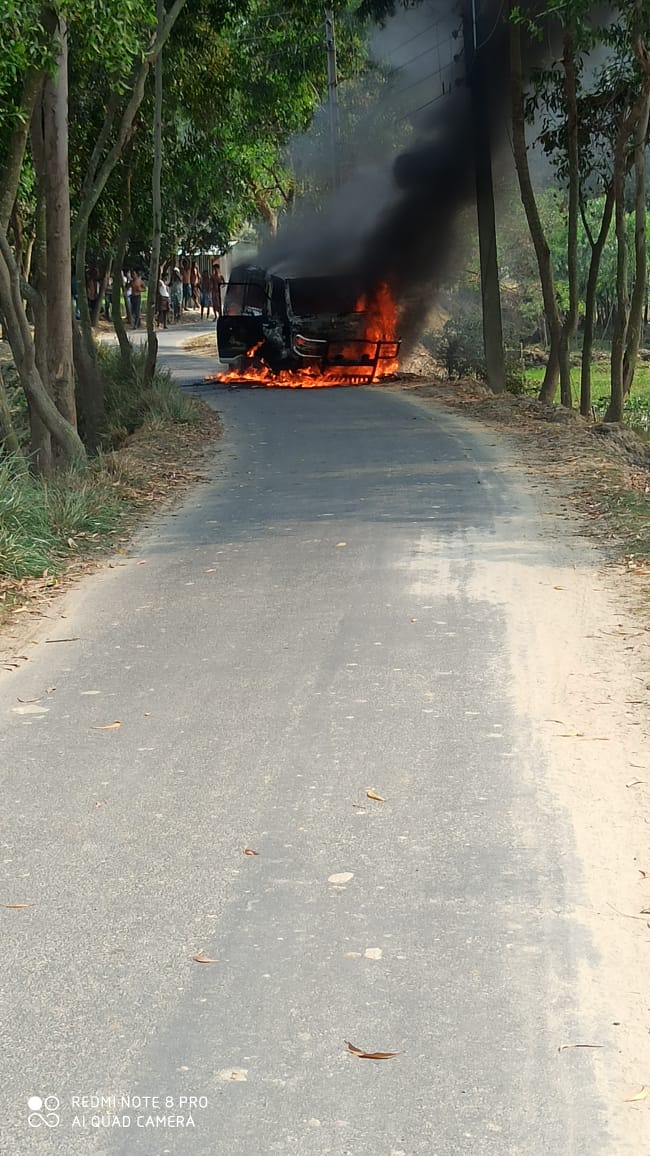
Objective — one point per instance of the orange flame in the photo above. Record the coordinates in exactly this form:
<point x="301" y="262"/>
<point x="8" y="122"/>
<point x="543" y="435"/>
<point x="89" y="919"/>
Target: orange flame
<point x="381" y="318"/>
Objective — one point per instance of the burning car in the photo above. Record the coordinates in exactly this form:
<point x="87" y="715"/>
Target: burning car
<point x="305" y="331"/>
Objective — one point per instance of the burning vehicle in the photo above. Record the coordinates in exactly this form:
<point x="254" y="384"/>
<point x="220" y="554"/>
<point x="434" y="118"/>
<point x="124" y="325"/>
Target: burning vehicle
<point x="305" y="331"/>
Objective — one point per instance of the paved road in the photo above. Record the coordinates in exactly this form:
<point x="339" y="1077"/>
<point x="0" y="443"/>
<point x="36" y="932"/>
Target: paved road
<point x="321" y="618"/>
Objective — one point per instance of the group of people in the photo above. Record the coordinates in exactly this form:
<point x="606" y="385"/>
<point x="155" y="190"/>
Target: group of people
<point x="182" y="288"/>
<point x="179" y="289"/>
<point x="187" y="287"/>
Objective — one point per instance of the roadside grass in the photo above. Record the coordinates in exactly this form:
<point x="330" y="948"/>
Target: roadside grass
<point x="129" y="405"/>
<point x="52" y="527"/>
<point x="43" y="522"/>
<point x="629" y="510"/>
<point x="637" y="405"/>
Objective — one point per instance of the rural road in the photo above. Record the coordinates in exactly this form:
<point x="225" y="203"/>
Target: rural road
<point x="364" y="595"/>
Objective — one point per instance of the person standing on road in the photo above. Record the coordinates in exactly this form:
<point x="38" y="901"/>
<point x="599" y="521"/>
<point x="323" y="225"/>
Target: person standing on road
<point x="187" y="288"/>
<point x="195" y="284"/>
<point x="206" y="295"/>
<point x="163" y="303"/>
<point x="177" y="294"/>
<point x="216" y="281"/>
<point x="137" y="289"/>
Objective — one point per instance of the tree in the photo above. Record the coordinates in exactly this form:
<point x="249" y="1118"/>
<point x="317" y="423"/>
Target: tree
<point x="542" y="250"/>
<point x="630" y="142"/>
<point x="154" y="264"/>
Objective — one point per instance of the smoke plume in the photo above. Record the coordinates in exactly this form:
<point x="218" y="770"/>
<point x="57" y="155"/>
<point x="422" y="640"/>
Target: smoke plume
<point x="393" y="218"/>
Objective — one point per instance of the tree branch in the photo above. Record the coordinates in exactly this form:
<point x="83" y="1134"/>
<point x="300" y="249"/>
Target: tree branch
<point x="97" y="185"/>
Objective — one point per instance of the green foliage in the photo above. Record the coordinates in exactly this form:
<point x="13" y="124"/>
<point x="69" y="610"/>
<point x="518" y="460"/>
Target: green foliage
<point x="42" y="522"/>
<point x="108" y="36"/>
<point x="25" y="45"/>
<point x="129" y="405"/>
<point x="460" y="347"/>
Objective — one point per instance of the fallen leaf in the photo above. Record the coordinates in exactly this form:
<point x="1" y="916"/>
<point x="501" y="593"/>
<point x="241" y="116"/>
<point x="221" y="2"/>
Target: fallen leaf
<point x="203" y="959"/>
<point x="17" y="906"/>
<point x="644" y="874"/>
<point x="109" y="726"/>
<point x="635" y="783"/>
<point x="249" y="851"/>
<point x="373" y="795"/>
<point x="341" y="544"/>
<point x="563" y="1047"/>
<point x="641" y="1095"/>
<point x="359" y="1052"/>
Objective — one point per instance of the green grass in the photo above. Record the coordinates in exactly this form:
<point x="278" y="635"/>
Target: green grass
<point x="44" y="524"/>
<point x="637" y="405"/>
<point x="129" y="405"/>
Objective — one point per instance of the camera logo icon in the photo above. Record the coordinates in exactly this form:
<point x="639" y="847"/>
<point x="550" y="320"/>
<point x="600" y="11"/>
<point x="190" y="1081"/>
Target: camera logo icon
<point x="44" y="1111"/>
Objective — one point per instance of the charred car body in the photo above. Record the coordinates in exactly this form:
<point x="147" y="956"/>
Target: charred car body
<point x="319" y="325"/>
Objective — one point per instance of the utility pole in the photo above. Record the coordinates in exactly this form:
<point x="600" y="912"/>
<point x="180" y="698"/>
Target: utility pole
<point x="332" y="94"/>
<point x="487" y="235"/>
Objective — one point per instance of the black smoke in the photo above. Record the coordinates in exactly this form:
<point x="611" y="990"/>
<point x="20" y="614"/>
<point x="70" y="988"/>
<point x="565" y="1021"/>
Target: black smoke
<point x="395" y="223"/>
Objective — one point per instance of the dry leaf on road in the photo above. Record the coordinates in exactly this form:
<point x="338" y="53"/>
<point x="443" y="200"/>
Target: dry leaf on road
<point x="200" y="958"/>
<point x="17" y="906"/>
<point x="373" y="795"/>
<point x="249" y="851"/>
<point x="361" y="1055"/>
<point x="641" y="1095"/>
<point x="109" y="726"/>
<point x="563" y="1047"/>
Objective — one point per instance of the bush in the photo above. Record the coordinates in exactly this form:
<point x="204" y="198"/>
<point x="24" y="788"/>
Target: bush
<point x="460" y="347"/>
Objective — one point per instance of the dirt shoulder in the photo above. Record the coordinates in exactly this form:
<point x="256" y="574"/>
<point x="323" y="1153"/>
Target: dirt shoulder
<point x="602" y="470"/>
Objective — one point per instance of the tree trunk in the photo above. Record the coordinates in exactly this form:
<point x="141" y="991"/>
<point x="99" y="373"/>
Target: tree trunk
<point x="8" y="438"/>
<point x="17" y="230"/>
<point x="635" y="320"/>
<point x="89" y="379"/>
<point x="548" y="388"/>
<point x="573" y="160"/>
<point x="597" y="246"/>
<point x="60" y="361"/>
<point x="619" y="332"/>
<point x="634" y="124"/>
<point x="13" y="162"/>
<point x="41" y="452"/>
<point x="542" y="250"/>
<point x="22" y="348"/>
<point x="154" y="267"/>
<point x="126" y="349"/>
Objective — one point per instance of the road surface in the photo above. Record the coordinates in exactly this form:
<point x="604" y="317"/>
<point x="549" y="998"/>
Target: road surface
<point x="349" y="604"/>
